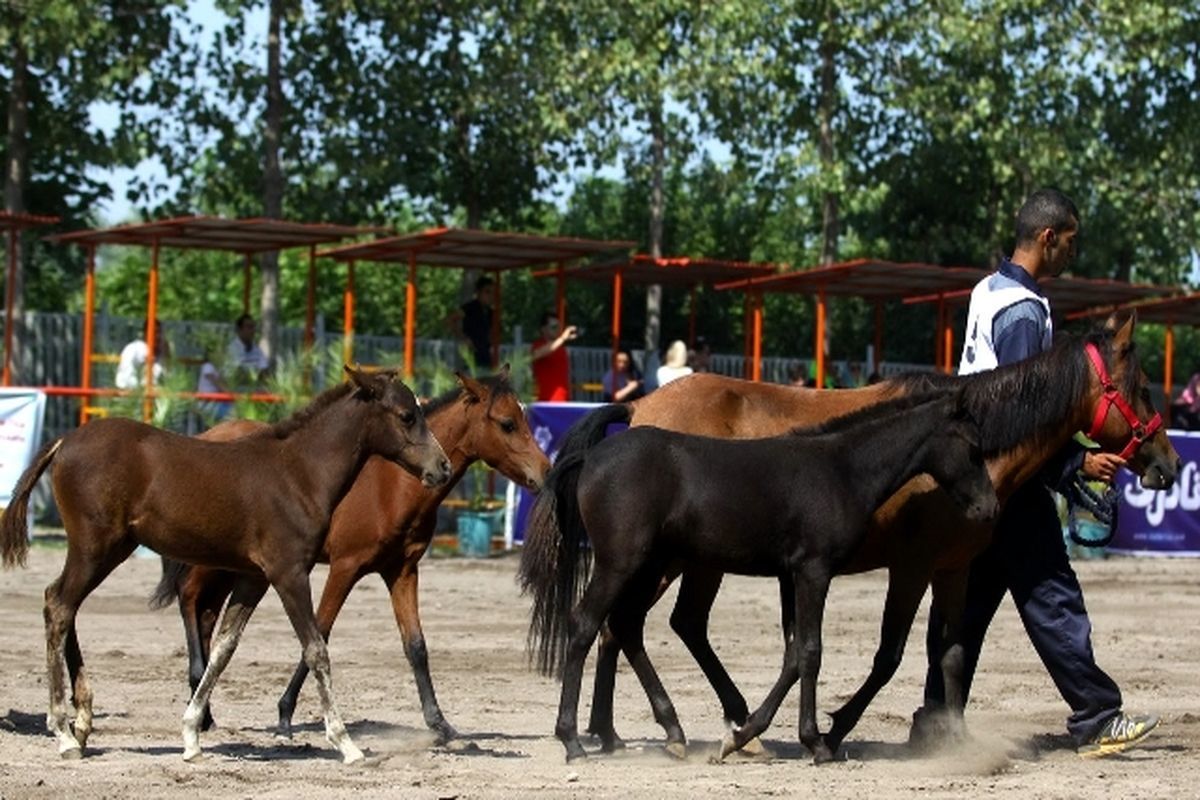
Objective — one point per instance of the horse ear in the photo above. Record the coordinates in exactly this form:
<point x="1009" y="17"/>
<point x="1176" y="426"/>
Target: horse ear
<point x="364" y="382"/>
<point x="504" y="371"/>
<point x="474" y="389"/>
<point x="1122" y="330"/>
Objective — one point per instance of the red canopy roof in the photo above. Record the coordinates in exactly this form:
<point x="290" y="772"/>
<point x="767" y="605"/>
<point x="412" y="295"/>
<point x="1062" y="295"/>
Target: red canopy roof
<point x="255" y="235"/>
<point x="10" y="221"/>
<point x="1074" y="296"/>
<point x="1181" y="310"/>
<point x="867" y="278"/>
<point x="677" y="271"/>
<point x="460" y="247"/>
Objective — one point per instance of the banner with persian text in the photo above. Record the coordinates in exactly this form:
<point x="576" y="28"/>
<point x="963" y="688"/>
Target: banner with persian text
<point x="1162" y="523"/>
<point x="21" y="415"/>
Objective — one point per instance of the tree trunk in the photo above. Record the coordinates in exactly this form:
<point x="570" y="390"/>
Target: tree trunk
<point x="272" y="184"/>
<point x="826" y="144"/>
<point x="16" y="175"/>
<point x="657" y="209"/>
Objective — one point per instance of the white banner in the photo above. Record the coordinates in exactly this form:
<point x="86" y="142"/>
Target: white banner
<point x="21" y="414"/>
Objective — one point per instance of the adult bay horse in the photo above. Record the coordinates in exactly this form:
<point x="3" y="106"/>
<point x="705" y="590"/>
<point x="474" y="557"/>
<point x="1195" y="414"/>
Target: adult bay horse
<point x="384" y="524"/>
<point x="259" y="506"/>
<point x="1031" y="410"/>
<point x="795" y="505"/>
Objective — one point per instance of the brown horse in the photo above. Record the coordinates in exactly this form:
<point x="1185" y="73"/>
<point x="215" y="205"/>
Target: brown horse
<point x="384" y="525"/>
<point x="259" y="506"/>
<point x="919" y="536"/>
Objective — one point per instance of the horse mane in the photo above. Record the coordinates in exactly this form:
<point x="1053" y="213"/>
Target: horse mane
<point x="300" y="418"/>
<point x="497" y="385"/>
<point x="901" y="403"/>
<point x="1032" y="397"/>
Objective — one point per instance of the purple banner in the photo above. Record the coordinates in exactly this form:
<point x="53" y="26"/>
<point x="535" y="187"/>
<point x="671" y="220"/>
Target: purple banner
<point x="1162" y="523"/>
<point x="549" y="422"/>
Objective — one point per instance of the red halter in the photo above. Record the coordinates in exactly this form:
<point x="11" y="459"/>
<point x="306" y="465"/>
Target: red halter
<point x="1138" y="432"/>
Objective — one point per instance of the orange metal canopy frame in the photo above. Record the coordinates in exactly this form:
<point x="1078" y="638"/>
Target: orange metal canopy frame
<point x="645" y="269"/>
<point x="245" y="236"/>
<point x="1166" y="311"/>
<point x="491" y="251"/>
<point x="14" y="224"/>
<point x="869" y="279"/>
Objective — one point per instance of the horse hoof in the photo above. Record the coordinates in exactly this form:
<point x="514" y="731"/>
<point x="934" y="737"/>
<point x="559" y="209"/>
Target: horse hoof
<point x="284" y="731"/>
<point x="612" y="745"/>
<point x="677" y="750"/>
<point x="445" y="732"/>
<point x="728" y="745"/>
<point x="822" y="755"/>
<point x="754" y="747"/>
<point x="191" y="756"/>
<point x="575" y="753"/>
<point x="352" y="755"/>
<point x="71" y="754"/>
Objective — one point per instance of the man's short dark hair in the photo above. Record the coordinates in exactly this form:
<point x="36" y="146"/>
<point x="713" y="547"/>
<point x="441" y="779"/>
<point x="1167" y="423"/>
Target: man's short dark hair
<point x="482" y="282"/>
<point x="546" y="317"/>
<point x="243" y="319"/>
<point x="1045" y="208"/>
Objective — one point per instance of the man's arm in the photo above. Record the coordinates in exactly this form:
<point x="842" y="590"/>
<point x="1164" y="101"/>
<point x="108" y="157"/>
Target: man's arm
<point x="548" y="347"/>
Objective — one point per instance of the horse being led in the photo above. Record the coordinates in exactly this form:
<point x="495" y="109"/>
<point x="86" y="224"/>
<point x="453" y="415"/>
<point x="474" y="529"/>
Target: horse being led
<point x="795" y="505"/>
<point x="1029" y="411"/>
<point x="384" y="524"/>
<point x="259" y="506"/>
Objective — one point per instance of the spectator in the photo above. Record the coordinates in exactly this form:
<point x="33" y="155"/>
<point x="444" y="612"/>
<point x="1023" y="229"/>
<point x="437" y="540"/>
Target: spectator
<point x="245" y="361"/>
<point x="701" y="355"/>
<point x="1185" y="410"/>
<point x="551" y="366"/>
<point x="131" y="366"/>
<point x="472" y="323"/>
<point x="623" y="382"/>
<point x="675" y="365"/>
<point x="209" y="381"/>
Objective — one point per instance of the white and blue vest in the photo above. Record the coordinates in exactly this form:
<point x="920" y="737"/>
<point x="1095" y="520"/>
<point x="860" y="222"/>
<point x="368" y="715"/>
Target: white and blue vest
<point x="996" y="302"/>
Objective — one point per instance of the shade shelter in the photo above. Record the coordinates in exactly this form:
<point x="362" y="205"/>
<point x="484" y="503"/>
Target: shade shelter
<point x="870" y="279"/>
<point x="13" y="224"/>
<point x="249" y="237"/>
<point x="644" y="269"/>
<point x="490" y="251"/>
<point x="1168" y="312"/>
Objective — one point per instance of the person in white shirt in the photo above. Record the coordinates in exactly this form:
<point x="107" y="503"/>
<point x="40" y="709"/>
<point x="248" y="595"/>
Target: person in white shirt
<point x="675" y="365"/>
<point x="131" y="366"/>
<point x="244" y="353"/>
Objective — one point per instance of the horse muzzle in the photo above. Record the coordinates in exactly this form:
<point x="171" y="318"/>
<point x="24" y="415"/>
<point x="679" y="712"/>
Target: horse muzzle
<point x="431" y="479"/>
<point x="1161" y="475"/>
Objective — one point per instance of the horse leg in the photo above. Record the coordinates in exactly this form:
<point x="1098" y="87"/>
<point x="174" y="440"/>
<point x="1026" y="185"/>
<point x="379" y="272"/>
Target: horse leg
<point x="296" y="595"/>
<point x="401" y="581"/>
<point x="82" y="573"/>
<point x="201" y="594"/>
<point x="600" y="723"/>
<point x="602" y="590"/>
<point x="628" y="621"/>
<point x="337" y="588"/>
<point x="247" y="592"/>
<point x="906" y="587"/>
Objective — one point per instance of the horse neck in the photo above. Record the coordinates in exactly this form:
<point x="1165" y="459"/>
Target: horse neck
<point x="887" y="451"/>
<point x="451" y="426"/>
<point x="329" y="449"/>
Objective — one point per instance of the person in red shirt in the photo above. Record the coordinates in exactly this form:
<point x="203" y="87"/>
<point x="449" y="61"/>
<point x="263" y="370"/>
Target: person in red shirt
<point x="551" y="367"/>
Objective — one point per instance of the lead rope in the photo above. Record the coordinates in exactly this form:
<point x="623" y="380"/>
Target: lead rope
<point x="1102" y="506"/>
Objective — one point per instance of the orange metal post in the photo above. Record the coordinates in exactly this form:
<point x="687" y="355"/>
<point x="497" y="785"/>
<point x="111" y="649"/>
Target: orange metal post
<point x="692" y="297"/>
<point x="89" y="317"/>
<point x="821" y="338"/>
<point x="247" y="279"/>
<point x="151" y="333"/>
<point x="496" y="313"/>
<point x="310" y="308"/>
<point x="1168" y="370"/>
<point x="616" y="319"/>
<point x="948" y="340"/>
<point x="878" y="334"/>
<point x="756" y="354"/>
<point x="9" y="300"/>
<point x="939" y="359"/>
<point x="348" y="315"/>
<point x="410" y="314"/>
<point x="560" y="294"/>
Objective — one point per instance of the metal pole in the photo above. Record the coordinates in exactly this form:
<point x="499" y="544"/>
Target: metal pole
<point x="89" y="314"/>
<point x="151" y="334"/>
<point x="821" y="338"/>
<point x="310" y="309"/>
<point x="410" y="315"/>
<point x="756" y="374"/>
<point x="9" y="301"/>
<point x="348" y="315"/>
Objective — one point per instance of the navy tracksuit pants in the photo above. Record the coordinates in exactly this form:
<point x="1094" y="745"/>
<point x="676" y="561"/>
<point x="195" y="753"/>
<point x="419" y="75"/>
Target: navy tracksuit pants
<point x="1029" y="558"/>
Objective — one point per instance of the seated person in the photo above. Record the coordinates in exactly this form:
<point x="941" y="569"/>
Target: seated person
<point x="624" y="381"/>
<point x="675" y="365"/>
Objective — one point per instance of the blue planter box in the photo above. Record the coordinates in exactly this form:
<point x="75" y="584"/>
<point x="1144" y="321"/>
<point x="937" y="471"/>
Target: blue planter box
<point x="475" y="532"/>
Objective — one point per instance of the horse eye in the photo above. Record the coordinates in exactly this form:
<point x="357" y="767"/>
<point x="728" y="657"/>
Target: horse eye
<point x="407" y="417"/>
<point x="508" y="426"/>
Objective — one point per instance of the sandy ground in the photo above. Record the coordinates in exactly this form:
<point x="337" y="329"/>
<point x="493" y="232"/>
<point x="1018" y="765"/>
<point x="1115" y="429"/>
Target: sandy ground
<point x="1147" y="623"/>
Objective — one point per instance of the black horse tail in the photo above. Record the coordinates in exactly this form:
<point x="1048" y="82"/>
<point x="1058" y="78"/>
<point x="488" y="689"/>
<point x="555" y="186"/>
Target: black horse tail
<point x="167" y="591"/>
<point x="555" y="561"/>
<point x="14" y="525"/>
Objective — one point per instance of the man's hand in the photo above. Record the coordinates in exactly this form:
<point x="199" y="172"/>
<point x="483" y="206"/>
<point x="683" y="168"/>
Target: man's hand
<point x="568" y="334"/>
<point x="1098" y="466"/>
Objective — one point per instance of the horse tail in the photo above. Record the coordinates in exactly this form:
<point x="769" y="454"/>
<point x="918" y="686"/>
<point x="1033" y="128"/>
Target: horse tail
<point x="555" y="560"/>
<point x="14" y="527"/>
<point x="167" y="592"/>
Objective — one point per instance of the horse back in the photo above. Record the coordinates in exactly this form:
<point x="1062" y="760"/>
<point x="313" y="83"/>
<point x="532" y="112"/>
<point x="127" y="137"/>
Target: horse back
<point x="720" y="406"/>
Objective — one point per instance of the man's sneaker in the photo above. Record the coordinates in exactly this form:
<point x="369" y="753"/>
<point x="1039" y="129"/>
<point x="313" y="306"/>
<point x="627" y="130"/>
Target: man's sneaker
<point x="1119" y="733"/>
